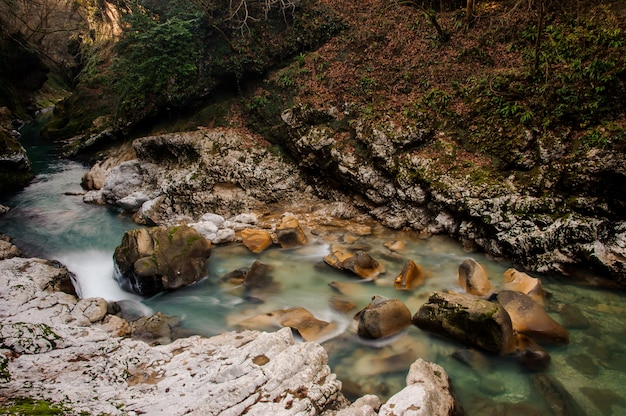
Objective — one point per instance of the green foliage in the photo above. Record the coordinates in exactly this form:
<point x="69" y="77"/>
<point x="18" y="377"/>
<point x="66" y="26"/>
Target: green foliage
<point x="5" y="375"/>
<point x="436" y="100"/>
<point x="367" y="84"/>
<point x="172" y="53"/>
<point x="582" y="72"/>
<point x="581" y="79"/>
<point x="158" y="61"/>
<point x="27" y="406"/>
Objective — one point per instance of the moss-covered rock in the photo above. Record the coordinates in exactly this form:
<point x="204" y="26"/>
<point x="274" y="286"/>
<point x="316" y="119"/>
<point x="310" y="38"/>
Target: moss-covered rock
<point x="475" y="322"/>
<point x="151" y="260"/>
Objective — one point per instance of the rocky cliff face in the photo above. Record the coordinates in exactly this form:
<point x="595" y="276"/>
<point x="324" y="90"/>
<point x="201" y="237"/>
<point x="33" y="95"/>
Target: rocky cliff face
<point x="404" y="176"/>
<point x="564" y="215"/>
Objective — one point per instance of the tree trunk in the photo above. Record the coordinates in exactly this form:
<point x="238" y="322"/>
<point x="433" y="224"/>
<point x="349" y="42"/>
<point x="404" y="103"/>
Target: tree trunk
<point x="539" y="33"/>
<point x="469" y="11"/>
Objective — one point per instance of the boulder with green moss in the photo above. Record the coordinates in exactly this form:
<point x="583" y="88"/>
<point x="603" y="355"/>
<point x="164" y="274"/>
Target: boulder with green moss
<point x="472" y="321"/>
<point x="151" y="260"/>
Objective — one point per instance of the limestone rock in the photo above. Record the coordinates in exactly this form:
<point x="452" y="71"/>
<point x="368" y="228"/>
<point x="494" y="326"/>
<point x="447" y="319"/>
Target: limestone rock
<point x="382" y="318"/>
<point x="94" y="179"/>
<point x="151" y="260"/>
<point x="15" y="167"/>
<point x="473" y="278"/>
<point x="8" y="250"/>
<point x="521" y="282"/>
<point x="475" y="322"/>
<point x="289" y="233"/>
<point x="428" y="392"/>
<point x="185" y="175"/>
<point x="411" y="276"/>
<point x="230" y="374"/>
<point x="214" y="227"/>
<point x="155" y="329"/>
<point x="256" y="240"/>
<point x="530" y="318"/>
<point x="367" y="405"/>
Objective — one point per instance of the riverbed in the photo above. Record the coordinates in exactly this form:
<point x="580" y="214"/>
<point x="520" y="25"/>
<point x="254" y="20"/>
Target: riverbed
<point x="49" y="219"/>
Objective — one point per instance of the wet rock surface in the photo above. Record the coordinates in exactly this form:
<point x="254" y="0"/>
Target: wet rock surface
<point x="382" y="318"/>
<point x="151" y="260"/>
<point x="475" y="322"/>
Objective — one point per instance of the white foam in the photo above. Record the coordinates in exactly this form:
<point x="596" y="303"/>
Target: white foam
<point x="94" y="274"/>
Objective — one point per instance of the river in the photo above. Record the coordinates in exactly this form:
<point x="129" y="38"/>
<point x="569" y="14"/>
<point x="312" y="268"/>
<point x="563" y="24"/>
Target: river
<point x="48" y="219"/>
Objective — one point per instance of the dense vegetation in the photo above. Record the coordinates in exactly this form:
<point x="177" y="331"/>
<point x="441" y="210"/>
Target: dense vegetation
<point x="497" y="77"/>
<point x="173" y="55"/>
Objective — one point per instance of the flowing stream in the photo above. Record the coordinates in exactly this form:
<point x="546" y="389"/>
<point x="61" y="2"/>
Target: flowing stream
<point x="48" y="219"/>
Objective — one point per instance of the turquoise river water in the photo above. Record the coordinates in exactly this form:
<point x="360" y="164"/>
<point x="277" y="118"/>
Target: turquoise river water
<point x="48" y="219"/>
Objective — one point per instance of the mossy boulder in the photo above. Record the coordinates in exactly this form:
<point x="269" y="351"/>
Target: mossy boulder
<point x="475" y="322"/>
<point x="151" y="260"/>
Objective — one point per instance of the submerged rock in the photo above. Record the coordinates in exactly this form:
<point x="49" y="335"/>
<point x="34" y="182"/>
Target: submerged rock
<point x="530" y="354"/>
<point x="475" y="322"/>
<point x="296" y="318"/>
<point x="151" y="260"/>
<point x="557" y="398"/>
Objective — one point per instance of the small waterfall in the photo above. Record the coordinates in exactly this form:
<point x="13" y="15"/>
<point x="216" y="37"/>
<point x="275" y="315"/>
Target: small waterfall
<point x="94" y="273"/>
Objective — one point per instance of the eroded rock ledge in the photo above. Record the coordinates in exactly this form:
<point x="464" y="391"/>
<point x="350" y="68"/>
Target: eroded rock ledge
<point x="56" y="347"/>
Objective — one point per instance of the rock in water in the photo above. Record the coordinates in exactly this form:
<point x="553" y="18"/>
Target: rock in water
<point x="289" y="233"/>
<point x="411" y="276"/>
<point x="475" y="322"/>
<point x="258" y="276"/>
<point x="523" y="283"/>
<point x="558" y="399"/>
<point x="382" y="318"/>
<point x="151" y="260"/>
<point x="530" y="318"/>
<point x="299" y="319"/>
<point x="360" y="263"/>
<point x="473" y="278"/>
<point x="256" y="240"/>
<point x="530" y="354"/>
